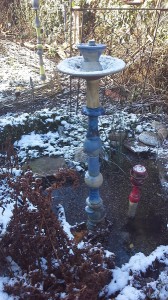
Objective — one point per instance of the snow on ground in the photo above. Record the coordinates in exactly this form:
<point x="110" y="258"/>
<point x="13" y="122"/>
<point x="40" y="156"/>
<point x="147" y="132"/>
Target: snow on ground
<point x="5" y="296"/>
<point x="64" y="140"/>
<point x="18" y="64"/>
<point x="122" y="280"/>
<point x="68" y="134"/>
<point x="6" y="205"/>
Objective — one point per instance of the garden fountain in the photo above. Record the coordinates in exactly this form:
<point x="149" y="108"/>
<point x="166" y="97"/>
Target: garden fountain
<point x="92" y="66"/>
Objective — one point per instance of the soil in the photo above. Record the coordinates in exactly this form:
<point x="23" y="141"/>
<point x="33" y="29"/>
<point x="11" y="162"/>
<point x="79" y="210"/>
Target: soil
<point x="124" y="236"/>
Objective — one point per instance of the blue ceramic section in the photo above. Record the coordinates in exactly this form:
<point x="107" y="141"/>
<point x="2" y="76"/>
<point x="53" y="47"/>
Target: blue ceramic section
<point x="94" y="196"/>
<point x="92" y="144"/>
<point x="91" y="53"/>
<point x="93" y="166"/>
<point x="93" y="216"/>
<point x="92" y="127"/>
<point x="94" y="112"/>
<point x="93" y="48"/>
<point x="92" y="147"/>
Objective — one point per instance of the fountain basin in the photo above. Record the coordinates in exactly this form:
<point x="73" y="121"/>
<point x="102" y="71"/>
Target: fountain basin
<point x="74" y="66"/>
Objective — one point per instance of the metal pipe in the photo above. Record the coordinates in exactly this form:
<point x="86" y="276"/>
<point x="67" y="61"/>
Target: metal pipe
<point x="119" y="9"/>
<point x="138" y="176"/>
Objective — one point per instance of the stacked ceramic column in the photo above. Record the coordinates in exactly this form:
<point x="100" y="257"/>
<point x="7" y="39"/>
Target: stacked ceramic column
<point x="92" y="146"/>
<point x="35" y="6"/>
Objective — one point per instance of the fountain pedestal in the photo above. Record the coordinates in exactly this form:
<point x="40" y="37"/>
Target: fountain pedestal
<point x="92" y="66"/>
<point x="92" y="146"/>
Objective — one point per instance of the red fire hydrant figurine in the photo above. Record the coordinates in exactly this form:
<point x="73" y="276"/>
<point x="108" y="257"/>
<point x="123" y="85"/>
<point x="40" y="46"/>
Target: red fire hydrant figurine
<point x="138" y="175"/>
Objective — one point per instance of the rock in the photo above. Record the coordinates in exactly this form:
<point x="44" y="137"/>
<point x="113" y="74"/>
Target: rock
<point x="150" y="139"/>
<point x="162" y="133"/>
<point x="161" y="130"/>
<point x="47" y="166"/>
<point x="136" y="146"/>
<point x="157" y="125"/>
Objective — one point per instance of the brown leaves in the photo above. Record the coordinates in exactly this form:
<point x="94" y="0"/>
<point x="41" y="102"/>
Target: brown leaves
<point x="65" y="176"/>
<point x="79" y="236"/>
<point x="51" y="263"/>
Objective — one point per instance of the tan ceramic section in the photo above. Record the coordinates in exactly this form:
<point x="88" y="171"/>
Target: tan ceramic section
<point x="93" y="182"/>
<point x="92" y="94"/>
